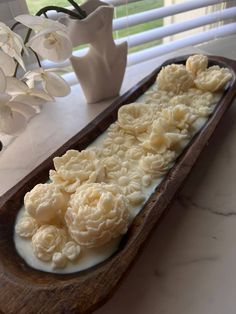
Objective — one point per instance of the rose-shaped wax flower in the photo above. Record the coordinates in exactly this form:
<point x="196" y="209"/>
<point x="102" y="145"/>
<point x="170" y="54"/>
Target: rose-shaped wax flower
<point x="174" y="78"/>
<point x="163" y="137"/>
<point x="158" y="141"/>
<point x="135" y="118"/>
<point x="71" y="250"/>
<point x="213" y="79"/>
<point x="46" y="203"/>
<point x="26" y="227"/>
<point x="196" y="64"/>
<point x="59" y="260"/>
<point x="48" y="240"/>
<point x="179" y="116"/>
<point x="97" y="213"/>
<point x="76" y="167"/>
<point x="64" y="185"/>
<point x="157" y="164"/>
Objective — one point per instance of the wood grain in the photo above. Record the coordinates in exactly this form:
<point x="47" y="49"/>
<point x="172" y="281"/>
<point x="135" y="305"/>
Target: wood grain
<point x="25" y="290"/>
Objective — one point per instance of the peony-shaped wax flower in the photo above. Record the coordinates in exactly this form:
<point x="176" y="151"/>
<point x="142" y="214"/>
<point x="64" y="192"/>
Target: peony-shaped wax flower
<point x="46" y="203"/>
<point x="97" y="213"/>
<point x="196" y="64"/>
<point x="26" y="227"/>
<point x="51" y="40"/>
<point x="71" y="251"/>
<point x="157" y="164"/>
<point x="213" y="79"/>
<point x="48" y="240"/>
<point x="174" y="78"/>
<point x="135" y="118"/>
<point x="76" y="168"/>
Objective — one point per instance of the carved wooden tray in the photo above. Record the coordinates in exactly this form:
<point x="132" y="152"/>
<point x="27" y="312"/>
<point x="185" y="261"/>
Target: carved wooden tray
<point x="25" y="290"/>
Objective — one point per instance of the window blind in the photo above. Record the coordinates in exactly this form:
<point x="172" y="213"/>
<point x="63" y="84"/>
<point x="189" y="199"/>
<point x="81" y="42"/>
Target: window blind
<point x="221" y="23"/>
<point x="226" y="15"/>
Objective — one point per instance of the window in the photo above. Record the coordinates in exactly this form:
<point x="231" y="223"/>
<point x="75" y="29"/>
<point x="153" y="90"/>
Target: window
<point x="146" y="24"/>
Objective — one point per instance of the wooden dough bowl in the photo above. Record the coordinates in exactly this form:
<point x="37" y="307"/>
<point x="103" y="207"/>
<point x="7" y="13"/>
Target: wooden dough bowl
<point x="26" y="290"/>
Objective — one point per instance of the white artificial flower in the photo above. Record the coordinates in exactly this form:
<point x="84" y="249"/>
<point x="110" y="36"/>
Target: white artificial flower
<point x="51" y="40"/>
<point x="11" y="43"/>
<point x="22" y="93"/>
<point x="52" y="83"/>
<point x="2" y="81"/>
<point x="7" y="64"/>
<point x="11" y="121"/>
<point x="39" y="23"/>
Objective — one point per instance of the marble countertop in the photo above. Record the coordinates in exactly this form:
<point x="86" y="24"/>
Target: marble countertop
<point x="187" y="267"/>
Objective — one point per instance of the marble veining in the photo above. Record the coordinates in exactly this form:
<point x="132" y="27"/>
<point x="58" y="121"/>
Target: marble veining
<point x="188" y="202"/>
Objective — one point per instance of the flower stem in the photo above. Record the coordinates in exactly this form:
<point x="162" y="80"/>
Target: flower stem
<point x="78" y="8"/>
<point x="14" y="26"/>
<point x="37" y="57"/>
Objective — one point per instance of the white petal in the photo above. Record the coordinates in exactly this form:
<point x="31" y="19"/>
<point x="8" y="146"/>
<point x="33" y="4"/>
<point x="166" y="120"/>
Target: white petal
<point x="3" y="37"/>
<point x="57" y="70"/>
<point x="32" y="101"/>
<point x="57" y="48"/>
<point x="34" y="22"/>
<point x="3" y="82"/>
<point x="55" y="85"/>
<point x="12" y="122"/>
<point x="32" y="76"/>
<point x="7" y="64"/>
<point x="13" y="46"/>
<point x="5" y="117"/>
<point x="40" y="94"/>
<point x="39" y="23"/>
<point x="15" y="86"/>
<point x="26" y="110"/>
<point x="4" y="98"/>
<point x="20" y="60"/>
<point x="18" y="41"/>
<point x="6" y="139"/>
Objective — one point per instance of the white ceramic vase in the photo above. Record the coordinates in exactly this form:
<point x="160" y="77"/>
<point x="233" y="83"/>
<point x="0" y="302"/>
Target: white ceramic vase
<point x="101" y="71"/>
